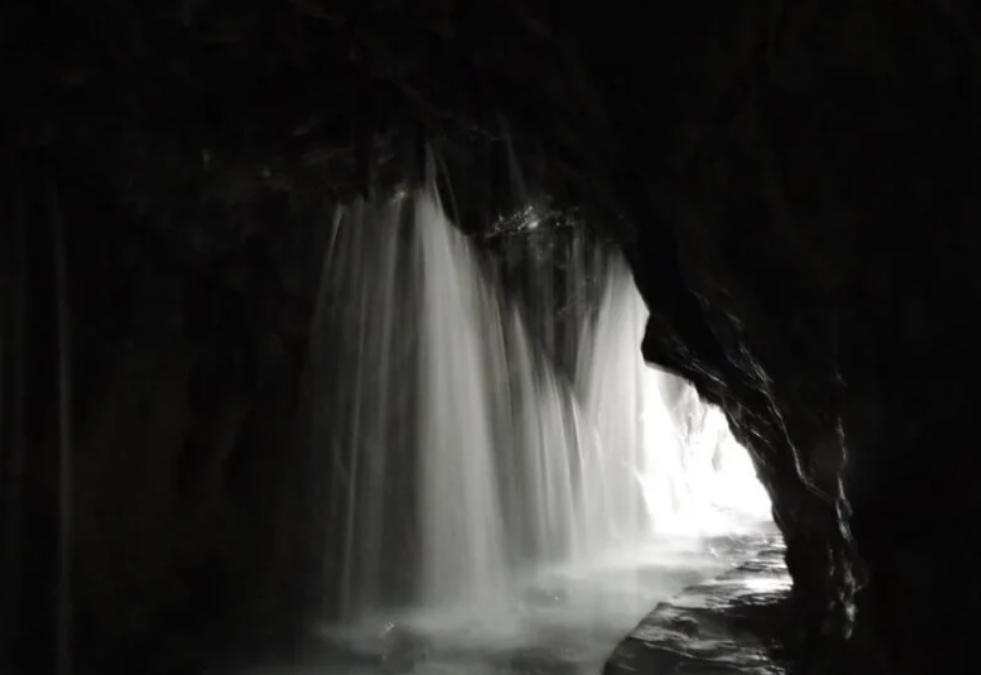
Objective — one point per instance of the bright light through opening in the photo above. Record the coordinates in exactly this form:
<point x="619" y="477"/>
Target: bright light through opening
<point x="714" y="487"/>
<point x="694" y="479"/>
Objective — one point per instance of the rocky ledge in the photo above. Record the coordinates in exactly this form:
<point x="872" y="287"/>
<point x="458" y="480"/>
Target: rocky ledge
<point x="725" y="626"/>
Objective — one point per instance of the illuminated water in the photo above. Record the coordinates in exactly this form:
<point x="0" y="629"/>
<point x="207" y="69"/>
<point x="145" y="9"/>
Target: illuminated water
<point x="485" y="509"/>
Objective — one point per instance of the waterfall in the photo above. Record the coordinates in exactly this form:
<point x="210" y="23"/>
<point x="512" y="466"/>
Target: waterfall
<point x="461" y="522"/>
<point x="459" y="457"/>
<point x="610" y="375"/>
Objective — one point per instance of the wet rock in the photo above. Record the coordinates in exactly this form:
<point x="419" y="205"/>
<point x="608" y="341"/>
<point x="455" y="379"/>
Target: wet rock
<point x="730" y="625"/>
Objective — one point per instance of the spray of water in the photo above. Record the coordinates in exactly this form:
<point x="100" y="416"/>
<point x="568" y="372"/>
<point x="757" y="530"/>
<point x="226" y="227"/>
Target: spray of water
<point x="462" y="460"/>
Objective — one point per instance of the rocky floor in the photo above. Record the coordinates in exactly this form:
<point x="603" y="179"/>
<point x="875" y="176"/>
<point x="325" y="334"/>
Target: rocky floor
<point x="721" y="627"/>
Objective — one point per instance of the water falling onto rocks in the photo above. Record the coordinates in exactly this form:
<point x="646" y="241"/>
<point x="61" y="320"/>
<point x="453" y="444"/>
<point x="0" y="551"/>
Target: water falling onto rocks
<point x="460" y="459"/>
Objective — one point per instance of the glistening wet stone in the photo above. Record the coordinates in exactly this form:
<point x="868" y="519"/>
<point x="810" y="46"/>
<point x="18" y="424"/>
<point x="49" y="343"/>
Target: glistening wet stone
<point x="725" y="626"/>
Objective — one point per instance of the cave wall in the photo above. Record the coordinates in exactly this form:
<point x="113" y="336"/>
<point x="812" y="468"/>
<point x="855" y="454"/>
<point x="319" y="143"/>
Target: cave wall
<point x="820" y="204"/>
<point x="188" y="525"/>
<point x="792" y="183"/>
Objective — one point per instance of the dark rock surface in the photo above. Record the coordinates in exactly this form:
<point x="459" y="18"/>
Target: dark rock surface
<point x="731" y="625"/>
<point x="794" y="183"/>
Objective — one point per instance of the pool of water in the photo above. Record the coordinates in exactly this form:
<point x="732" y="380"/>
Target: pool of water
<point x="564" y="620"/>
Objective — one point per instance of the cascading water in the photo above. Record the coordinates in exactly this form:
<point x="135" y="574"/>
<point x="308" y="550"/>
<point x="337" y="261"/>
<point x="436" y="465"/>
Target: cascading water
<point x="463" y="541"/>
<point x="463" y="461"/>
<point x="411" y="415"/>
<point x="610" y="378"/>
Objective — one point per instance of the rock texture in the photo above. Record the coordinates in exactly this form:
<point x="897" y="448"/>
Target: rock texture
<point x="819" y="223"/>
<point x="731" y="625"/>
<point x="794" y="183"/>
<point x="184" y="371"/>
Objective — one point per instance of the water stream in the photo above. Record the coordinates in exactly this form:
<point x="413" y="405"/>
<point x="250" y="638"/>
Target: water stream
<point x="490" y="511"/>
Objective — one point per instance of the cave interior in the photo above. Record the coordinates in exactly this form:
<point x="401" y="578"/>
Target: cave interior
<point x="791" y="183"/>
